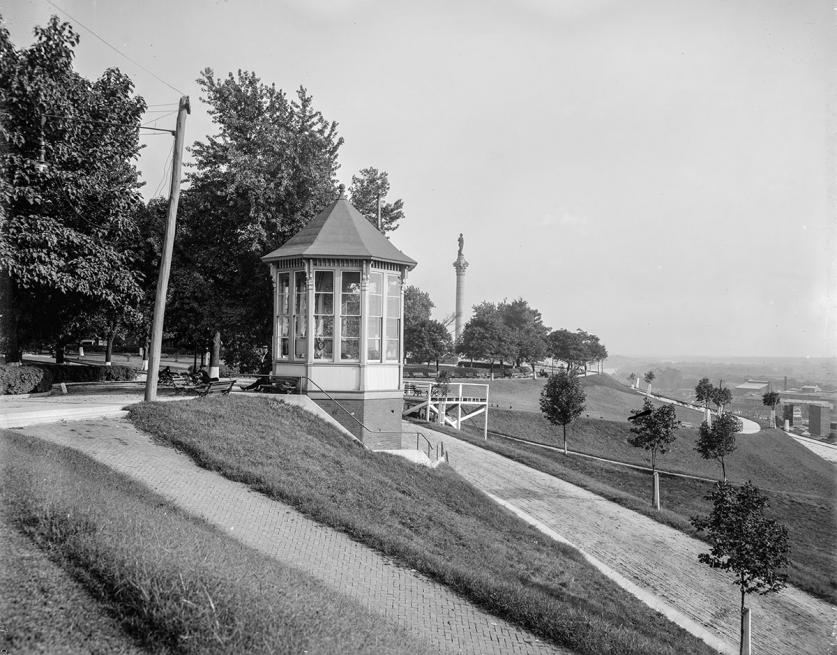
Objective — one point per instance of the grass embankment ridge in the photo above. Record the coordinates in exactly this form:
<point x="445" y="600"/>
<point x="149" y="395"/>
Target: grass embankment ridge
<point x="428" y="519"/>
<point x="174" y="583"/>
<point x="799" y="485"/>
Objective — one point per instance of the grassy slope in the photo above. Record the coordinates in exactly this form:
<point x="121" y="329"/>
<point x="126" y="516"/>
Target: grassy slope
<point x="41" y="605"/>
<point x="175" y="583"/>
<point x="800" y="485"/>
<point x="606" y="398"/>
<point x="429" y="519"/>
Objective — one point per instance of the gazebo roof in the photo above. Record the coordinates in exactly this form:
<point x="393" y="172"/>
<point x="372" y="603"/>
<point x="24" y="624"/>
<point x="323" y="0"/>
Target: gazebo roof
<point x="340" y="231"/>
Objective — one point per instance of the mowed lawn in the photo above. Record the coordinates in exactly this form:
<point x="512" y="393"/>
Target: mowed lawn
<point x="606" y="398"/>
<point x="97" y="563"/>
<point x="428" y="519"/>
<point x="800" y="485"/>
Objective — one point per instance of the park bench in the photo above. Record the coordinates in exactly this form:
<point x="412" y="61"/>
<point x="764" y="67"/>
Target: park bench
<point x="183" y="384"/>
<point x="280" y="385"/>
<point x="411" y="389"/>
<point x="214" y="386"/>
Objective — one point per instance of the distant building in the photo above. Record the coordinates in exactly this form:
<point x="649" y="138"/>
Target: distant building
<point x="810" y="388"/>
<point x="752" y="389"/>
<point x="819" y="420"/>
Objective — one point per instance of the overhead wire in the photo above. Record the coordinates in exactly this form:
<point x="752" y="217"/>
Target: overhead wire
<point x="154" y="120"/>
<point x="112" y="124"/>
<point x="165" y="169"/>
<point x="115" y="49"/>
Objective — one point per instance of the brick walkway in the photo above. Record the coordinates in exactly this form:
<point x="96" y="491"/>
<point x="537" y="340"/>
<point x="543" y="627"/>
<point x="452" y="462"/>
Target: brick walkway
<point x="660" y="561"/>
<point x="430" y="611"/>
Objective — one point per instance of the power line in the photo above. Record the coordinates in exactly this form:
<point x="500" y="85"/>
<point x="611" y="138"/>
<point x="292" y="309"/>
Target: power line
<point x="94" y="122"/>
<point x="165" y="168"/>
<point x="115" y="49"/>
<point x="154" y="120"/>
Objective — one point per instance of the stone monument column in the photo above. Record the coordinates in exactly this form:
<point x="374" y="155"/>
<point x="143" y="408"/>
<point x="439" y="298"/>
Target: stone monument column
<point x="461" y="266"/>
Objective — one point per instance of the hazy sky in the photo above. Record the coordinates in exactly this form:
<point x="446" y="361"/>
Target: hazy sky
<point x="659" y="173"/>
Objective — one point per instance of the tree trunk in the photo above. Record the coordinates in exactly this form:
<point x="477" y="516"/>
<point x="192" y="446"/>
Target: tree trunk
<point x="195" y="360"/>
<point x="215" y="356"/>
<point x="145" y="355"/>
<point x="723" y="469"/>
<point x="109" y="347"/>
<point x="565" y="437"/>
<point x="742" y="650"/>
<point x="59" y="352"/>
<point x="9" y="350"/>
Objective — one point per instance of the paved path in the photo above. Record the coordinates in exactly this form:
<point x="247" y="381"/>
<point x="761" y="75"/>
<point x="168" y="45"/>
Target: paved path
<point x="430" y="611"/>
<point x="825" y="450"/>
<point x="660" y="561"/>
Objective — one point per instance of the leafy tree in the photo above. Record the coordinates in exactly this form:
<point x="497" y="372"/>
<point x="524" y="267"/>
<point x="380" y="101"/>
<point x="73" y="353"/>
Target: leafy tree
<point x="368" y="188"/>
<point x="654" y="429"/>
<point x="70" y="187"/>
<point x="632" y="378"/>
<point x="528" y="333"/>
<point x="596" y="351"/>
<point x="427" y="341"/>
<point x="417" y="306"/>
<point x="717" y="440"/>
<point x="486" y="336"/>
<point x="703" y="392"/>
<point x="568" y="347"/>
<point x="649" y="378"/>
<point x="270" y="169"/>
<point x="721" y="397"/>
<point x="744" y="541"/>
<point x="562" y="400"/>
<point x="771" y="399"/>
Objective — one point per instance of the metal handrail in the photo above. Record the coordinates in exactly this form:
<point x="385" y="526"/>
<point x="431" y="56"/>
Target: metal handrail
<point x="337" y="402"/>
<point x="356" y="420"/>
<point x="429" y="443"/>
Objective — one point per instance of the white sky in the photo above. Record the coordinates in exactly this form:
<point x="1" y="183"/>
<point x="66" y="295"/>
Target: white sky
<point x="660" y="173"/>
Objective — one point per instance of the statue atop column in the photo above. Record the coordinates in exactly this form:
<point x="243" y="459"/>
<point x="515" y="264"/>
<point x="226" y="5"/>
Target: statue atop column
<point x="461" y="265"/>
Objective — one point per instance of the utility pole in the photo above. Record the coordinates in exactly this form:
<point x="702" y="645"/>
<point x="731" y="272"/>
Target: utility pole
<point x="165" y="260"/>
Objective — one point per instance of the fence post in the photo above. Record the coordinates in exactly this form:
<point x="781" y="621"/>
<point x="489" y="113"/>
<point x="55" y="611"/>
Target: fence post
<point x="656" y="498"/>
<point x="745" y="631"/>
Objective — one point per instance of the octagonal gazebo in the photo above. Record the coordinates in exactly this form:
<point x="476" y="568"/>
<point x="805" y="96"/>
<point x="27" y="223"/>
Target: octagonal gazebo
<point x="338" y="320"/>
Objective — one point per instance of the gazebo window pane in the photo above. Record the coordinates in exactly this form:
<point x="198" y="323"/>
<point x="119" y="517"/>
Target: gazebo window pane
<point x="300" y="316"/>
<point x="300" y="337"/>
<point x="349" y="349"/>
<point x="373" y="338"/>
<point x="350" y="294"/>
<point x="323" y="337"/>
<point x="324" y="292"/>
<point x="350" y="315"/>
<point x="283" y="288"/>
<point x="323" y="315"/>
<point x="393" y="317"/>
<point x="283" y="332"/>
<point x="393" y="296"/>
<point x="283" y="307"/>
<point x="374" y="292"/>
<point x="351" y="327"/>
<point x="392" y="336"/>
<point x="301" y="304"/>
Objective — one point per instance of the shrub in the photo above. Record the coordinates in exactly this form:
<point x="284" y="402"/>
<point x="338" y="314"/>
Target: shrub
<point x="24" y="379"/>
<point x="71" y="373"/>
